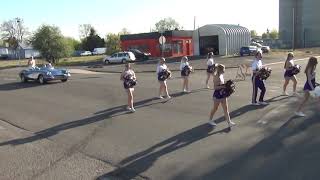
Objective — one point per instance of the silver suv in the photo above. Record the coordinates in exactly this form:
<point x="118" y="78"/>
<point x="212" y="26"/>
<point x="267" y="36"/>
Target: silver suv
<point x="120" y="57"/>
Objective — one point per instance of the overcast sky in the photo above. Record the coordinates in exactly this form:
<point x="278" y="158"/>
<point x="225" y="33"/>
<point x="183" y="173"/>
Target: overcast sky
<point x="140" y="15"/>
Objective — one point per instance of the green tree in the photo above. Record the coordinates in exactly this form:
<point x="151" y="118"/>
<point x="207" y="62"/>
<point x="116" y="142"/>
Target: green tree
<point x="274" y="34"/>
<point x="92" y="41"/>
<point x="253" y="33"/>
<point x="264" y="36"/>
<point x="113" y="43"/>
<point x="167" y="24"/>
<point x="51" y="44"/>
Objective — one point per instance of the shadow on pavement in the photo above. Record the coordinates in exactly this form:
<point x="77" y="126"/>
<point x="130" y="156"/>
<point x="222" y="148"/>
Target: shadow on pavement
<point x="292" y="152"/>
<point x="18" y="85"/>
<point x="97" y="117"/>
<point x="136" y="164"/>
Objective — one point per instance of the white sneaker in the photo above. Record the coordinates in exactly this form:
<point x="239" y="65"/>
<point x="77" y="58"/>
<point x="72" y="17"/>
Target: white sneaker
<point x="295" y="94"/>
<point x="212" y="123"/>
<point x="168" y="97"/>
<point x="300" y="114"/>
<point x="285" y="94"/>
<point x="160" y="97"/>
<point x="255" y="104"/>
<point x="231" y="123"/>
<point x="208" y="87"/>
<point x="128" y="108"/>
<point x="184" y="90"/>
<point x="133" y="110"/>
<point x="263" y="103"/>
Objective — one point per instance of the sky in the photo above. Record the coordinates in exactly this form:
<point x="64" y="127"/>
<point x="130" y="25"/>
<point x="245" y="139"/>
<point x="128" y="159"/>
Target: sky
<point x="138" y="16"/>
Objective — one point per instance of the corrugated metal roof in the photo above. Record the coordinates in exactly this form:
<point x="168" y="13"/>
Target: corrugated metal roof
<point x="230" y="28"/>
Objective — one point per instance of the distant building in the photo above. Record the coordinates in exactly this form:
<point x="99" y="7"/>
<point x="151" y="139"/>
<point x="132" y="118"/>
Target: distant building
<point x="299" y="23"/>
<point x="178" y="43"/>
<point x="222" y="39"/>
<point x="23" y="52"/>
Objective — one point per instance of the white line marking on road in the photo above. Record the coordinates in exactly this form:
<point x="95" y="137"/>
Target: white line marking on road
<point x="281" y="62"/>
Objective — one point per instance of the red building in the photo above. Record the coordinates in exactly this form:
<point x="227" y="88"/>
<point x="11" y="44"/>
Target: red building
<point x="178" y="43"/>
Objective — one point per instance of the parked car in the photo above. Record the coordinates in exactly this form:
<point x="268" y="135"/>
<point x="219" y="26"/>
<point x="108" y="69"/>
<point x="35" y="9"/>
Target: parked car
<point x="140" y="55"/>
<point x="248" y="50"/>
<point x="44" y="74"/>
<point x="97" y="51"/>
<point x="85" y="53"/>
<point x="120" y="57"/>
<point x="265" y="49"/>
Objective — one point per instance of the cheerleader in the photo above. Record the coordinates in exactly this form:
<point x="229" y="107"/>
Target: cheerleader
<point x="210" y="68"/>
<point x="218" y="98"/>
<point x="129" y="75"/>
<point x="257" y="82"/>
<point x="288" y="66"/>
<point x="310" y="84"/>
<point x="162" y="67"/>
<point x="185" y="69"/>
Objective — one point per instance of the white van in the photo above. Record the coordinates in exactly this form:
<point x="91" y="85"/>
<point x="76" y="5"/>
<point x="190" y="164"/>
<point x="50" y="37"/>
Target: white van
<point x="97" y="51"/>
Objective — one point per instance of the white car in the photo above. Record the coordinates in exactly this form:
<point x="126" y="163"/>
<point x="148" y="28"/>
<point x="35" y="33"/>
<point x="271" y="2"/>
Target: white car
<point x="86" y="53"/>
<point x="120" y="57"/>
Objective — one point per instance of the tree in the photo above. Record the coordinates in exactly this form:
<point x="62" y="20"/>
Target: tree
<point x="72" y="44"/>
<point x="113" y="43"/>
<point x="13" y="32"/>
<point x="51" y="44"/>
<point x="274" y="34"/>
<point x="124" y="31"/>
<point x="253" y="33"/>
<point x="92" y="41"/>
<point x="264" y="36"/>
<point x="167" y="24"/>
<point x="84" y="30"/>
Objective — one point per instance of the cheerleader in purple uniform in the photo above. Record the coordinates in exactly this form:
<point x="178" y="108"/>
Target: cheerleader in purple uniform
<point x="288" y="75"/>
<point x="309" y="85"/>
<point x="127" y="75"/>
<point x="218" y="97"/>
<point x="210" y="68"/>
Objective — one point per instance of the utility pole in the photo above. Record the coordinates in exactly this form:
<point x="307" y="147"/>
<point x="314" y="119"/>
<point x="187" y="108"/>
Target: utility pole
<point x="293" y="29"/>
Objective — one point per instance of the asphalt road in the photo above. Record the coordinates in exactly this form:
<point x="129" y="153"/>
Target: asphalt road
<point x="81" y="130"/>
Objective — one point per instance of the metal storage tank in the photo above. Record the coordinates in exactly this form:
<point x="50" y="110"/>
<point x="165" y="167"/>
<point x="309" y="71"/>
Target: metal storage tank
<point x="299" y="21"/>
<point x="222" y="39"/>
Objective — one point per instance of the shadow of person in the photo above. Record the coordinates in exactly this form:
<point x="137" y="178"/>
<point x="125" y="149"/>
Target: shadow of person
<point x="17" y="85"/>
<point x="138" y="163"/>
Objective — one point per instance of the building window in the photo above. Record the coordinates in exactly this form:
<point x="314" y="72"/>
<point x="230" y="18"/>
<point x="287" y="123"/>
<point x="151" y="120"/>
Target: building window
<point x="177" y="47"/>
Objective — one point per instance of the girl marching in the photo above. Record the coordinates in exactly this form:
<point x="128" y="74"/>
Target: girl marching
<point x="310" y="83"/>
<point x="185" y="69"/>
<point x="257" y="82"/>
<point x="163" y="73"/>
<point x="129" y="81"/>
<point x="288" y="75"/>
<point x="218" y="98"/>
<point x="210" y="68"/>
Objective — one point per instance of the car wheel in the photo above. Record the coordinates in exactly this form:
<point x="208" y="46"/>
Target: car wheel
<point x="64" y="80"/>
<point x="106" y="62"/>
<point x="123" y="61"/>
<point x="241" y="54"/>
<point x="41" y="79"/>
<point x="23" y="78"/>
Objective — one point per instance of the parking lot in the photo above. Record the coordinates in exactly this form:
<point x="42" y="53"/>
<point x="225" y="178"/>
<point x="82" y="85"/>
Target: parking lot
<point x="81" y="130"/>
